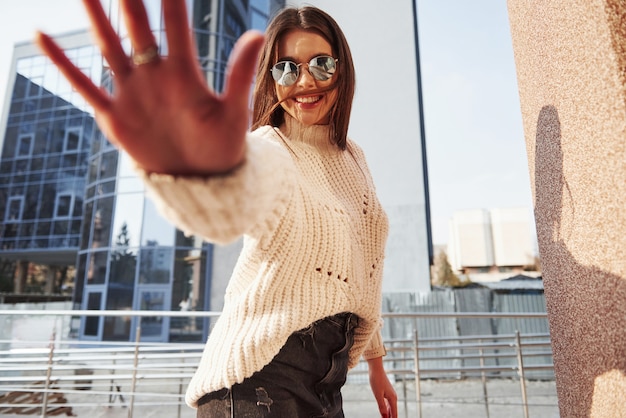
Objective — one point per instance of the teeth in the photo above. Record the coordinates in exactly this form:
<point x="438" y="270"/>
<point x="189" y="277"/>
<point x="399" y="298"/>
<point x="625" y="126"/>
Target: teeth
<point x="309" y="99"/>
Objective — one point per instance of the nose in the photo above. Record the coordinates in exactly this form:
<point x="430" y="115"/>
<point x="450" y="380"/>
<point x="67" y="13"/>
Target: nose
<point x="305" y="78"/>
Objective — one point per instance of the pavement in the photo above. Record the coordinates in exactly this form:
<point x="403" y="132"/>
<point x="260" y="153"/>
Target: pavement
<point x="440" y="399"/>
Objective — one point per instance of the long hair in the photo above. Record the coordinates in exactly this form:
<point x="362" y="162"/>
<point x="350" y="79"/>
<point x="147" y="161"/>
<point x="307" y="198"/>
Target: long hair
<point x="266" y="106"/>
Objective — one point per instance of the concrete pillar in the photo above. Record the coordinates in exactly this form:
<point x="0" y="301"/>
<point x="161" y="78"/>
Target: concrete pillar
<point x="51" y="277"/>
<point x="21" y="274"/>
<point x="571" y="68"/>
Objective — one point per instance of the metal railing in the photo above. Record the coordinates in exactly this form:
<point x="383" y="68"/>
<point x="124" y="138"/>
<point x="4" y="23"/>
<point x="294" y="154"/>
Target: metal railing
<point x="72" y="376"/>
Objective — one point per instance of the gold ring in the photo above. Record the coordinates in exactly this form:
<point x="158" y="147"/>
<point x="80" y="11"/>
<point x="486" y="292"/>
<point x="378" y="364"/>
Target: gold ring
<point x="146" y="56"/>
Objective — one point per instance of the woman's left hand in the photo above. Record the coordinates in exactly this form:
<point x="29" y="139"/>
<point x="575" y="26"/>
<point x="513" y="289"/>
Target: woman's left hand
<point x="382" y="388"/>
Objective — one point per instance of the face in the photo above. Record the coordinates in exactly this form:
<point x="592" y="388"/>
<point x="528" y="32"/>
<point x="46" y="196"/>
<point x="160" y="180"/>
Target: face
<point x="305" y="105"/>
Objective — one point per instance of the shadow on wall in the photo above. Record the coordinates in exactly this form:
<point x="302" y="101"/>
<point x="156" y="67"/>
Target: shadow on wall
<point x="585" y="304"/>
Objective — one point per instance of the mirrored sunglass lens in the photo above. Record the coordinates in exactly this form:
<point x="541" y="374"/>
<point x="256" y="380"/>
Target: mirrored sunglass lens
<point x="322" y="68"/>
<point x="285" y="73"/>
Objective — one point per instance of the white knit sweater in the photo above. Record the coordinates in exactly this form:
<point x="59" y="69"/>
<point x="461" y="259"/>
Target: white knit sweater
<point x="314" y="239"/>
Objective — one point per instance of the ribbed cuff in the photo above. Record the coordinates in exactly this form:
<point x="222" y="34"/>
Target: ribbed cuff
<point x="375" y="348"/>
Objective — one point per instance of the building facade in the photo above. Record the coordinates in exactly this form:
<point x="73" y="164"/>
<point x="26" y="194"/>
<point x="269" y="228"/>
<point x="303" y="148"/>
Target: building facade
<point x="68" y="197"/>
<point x="491" y="244"/>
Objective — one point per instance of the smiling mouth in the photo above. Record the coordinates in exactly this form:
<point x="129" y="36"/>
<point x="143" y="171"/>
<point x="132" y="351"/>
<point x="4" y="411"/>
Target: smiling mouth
<point x="308" y="99"/>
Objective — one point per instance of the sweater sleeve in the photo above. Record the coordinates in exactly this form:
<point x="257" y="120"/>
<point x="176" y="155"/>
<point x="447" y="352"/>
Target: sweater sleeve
<point x="375" y="347"/>
<point x="249" y="200"/>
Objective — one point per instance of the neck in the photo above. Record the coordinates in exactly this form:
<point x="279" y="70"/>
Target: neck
<point x="317" y="136"/>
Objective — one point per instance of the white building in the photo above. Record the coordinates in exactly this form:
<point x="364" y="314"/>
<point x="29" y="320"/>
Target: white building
<point x="491" y="244"/>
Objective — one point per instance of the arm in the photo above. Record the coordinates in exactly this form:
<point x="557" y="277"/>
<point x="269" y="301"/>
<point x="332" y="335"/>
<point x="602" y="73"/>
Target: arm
<point x="382" y="388"/>
<point x="249" y="200"/>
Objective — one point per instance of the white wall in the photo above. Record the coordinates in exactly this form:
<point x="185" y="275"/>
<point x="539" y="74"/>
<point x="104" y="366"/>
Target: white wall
<point x="471" y="240"/>
<point x="385" y="123"/>
<point x="512" y="238"/>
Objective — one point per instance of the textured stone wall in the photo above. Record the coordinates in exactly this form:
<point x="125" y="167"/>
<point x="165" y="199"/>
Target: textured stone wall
<point x="571" y="68"/>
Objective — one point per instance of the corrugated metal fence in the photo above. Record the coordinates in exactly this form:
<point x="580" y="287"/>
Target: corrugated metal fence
<point x="464" y="300"/>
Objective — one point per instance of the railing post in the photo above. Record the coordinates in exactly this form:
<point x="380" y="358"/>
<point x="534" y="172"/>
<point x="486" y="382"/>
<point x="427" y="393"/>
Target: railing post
<point x="133" y="382"/>
<point x="404" y="391"/>
<point x="180" y="391"/>
<point x="418" y="394"/>
<point x="520" y="370"/>
<point x="44" y="402"/>
<point x="483" y="377"/>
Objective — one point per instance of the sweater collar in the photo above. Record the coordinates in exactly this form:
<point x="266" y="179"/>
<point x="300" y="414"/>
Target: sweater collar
<point x="316" y="136"/>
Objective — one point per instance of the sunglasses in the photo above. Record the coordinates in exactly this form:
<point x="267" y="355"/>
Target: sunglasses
<point x="321" y="68"/>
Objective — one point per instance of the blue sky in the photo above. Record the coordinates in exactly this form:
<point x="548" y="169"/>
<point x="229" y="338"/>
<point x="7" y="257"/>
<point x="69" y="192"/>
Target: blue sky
<point x="475" y="144"/>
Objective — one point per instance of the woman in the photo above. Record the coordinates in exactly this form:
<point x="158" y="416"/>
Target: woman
<point x="303" y="303"/>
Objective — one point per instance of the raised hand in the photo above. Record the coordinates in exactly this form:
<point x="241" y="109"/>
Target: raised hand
<point x="162" y="111"/>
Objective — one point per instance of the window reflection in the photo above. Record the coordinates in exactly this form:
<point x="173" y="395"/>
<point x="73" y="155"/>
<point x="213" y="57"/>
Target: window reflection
<point x="152" y="326"/>
<point x="127" y="219"/>
<point x="96" y="273"/>
<point x="92" y="323"/>
<point x="156" y="229"/>
<point x="120" y="290"/>
<point x="155" y="265"/>
<point x="102" y="222"/>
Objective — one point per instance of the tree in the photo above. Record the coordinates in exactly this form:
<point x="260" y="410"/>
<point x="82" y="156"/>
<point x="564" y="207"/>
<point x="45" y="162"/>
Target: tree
<point x="443" y="274"/>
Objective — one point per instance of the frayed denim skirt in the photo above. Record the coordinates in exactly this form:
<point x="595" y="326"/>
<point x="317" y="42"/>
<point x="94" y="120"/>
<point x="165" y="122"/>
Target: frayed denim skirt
<point x="304" y="380"/>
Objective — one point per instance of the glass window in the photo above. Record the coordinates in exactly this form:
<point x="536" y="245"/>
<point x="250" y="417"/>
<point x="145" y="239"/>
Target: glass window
<point x="32" y="201"/>
<point x="152" y="326"/>
<point x="75" y="227"/>
<point x="155" y="265"/>
<point x="86" y="226"/>
<point x="92" y="323"/>
<point x="108" y="164"/>
<point x="47" y="202"/>
<point x="102" y="223"/>
<point x="120" y="292"/>
<point x="6" y="167"/>
<point x="79" y="280"/>
<point x="96" y="273"/>
<point x="69" y="161"/>
<point x="24" y="146"/>
<point x="156" y="229"/>
<point x="53" y="162"/>
<point x="36" y="164"/>
<point x="123" y="267"/>
<point x="60" y="228"/>
<point x="63" y="205"/>
<point x="14" y="209"/>
<point x="21" y="166"/>
<point x="71" y="142"/>
<point x="34" y="87"/>
<point x="43" y="228"/>
<point x="127" y="219"/>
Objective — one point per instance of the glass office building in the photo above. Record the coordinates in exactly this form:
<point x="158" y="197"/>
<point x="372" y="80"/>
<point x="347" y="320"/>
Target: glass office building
<point x="68" y="197"/>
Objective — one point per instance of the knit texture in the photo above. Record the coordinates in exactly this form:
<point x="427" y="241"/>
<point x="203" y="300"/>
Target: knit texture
<point x="314" y="239"/>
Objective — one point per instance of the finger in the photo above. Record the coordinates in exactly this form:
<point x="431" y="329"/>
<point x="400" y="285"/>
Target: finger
<point x="106" y="38"/>
<point x="383" y="407"/>
<point x="393" y="406"/>
<point x="241" y="68"/>
<point x="179" y="42"/>
<point x="138" y="25"/>
<point x="83" y="84"/>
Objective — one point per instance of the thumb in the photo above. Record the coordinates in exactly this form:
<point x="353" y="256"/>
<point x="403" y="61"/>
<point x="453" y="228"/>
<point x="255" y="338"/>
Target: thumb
<point x="242" y="66"/>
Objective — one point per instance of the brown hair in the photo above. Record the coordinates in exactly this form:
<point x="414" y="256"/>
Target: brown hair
<point x="266" y="107"/>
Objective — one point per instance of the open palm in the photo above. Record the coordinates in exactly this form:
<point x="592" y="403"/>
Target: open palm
<point x="162" y="112"/>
